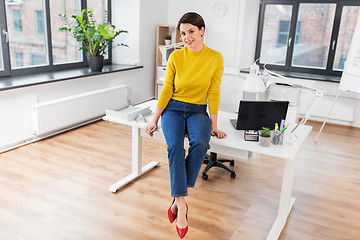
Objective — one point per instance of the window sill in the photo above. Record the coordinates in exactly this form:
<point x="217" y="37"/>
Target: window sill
<point x="7" y="83"/>
<point x="306" y="76"/>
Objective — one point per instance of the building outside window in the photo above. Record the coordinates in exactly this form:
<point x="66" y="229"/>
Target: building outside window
<point x="312" y="49"/>
<point x="39" y="22"/>
<point x="65" y="47"/>
<point x="29" y="41"/>
<point x="19" y="59"/>
<point x="37" y="59"/>
<point x="273" y="52"/>
<point x="347" y="27"/>
<point x="306" y="36"/>
<point x="17" y="20"/>
<point x="284" y="27"/>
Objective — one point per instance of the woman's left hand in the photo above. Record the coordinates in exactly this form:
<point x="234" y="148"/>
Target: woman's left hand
<point x="218" y="133"/>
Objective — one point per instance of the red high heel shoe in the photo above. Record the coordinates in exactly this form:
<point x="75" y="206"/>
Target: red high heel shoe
<point x="182" y="231"/>
<point x="171" y="215"/>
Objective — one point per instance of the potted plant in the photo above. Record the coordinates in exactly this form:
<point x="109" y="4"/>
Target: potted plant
<point x="265" y="137"/>
<point x="167" y="39"/>
<point x="94" y="37"/>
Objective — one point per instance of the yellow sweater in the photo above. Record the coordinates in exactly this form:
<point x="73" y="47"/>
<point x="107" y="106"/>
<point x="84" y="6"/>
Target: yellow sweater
<point x="193" y="78"/>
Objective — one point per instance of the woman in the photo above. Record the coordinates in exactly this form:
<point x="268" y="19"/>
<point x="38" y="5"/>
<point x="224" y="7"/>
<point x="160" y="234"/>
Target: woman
<point x="192" y="79"/>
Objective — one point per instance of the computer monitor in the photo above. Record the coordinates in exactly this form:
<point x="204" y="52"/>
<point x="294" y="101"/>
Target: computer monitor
<point x="253" y="115"/>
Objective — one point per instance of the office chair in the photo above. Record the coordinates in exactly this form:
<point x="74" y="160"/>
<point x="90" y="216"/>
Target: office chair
<point x="212" y="161"/>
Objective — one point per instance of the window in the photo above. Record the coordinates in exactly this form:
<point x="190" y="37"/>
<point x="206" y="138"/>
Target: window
<point x="347" y="27"/>
<point x="284" y="27"/>
<point x="37" y="59"/>
<point x="65" y="47"/>
<point x="276" y="33"/>
<point x="32" y="38"/>
<point x="283" y="33"/>
<point x="29" y="41"/>
<point x="19" y="59"/>
<point x="39" y="22"/>
<point x="17" y="20"/>
<point x="312" y="49"/>
<point x="306" y="36"/>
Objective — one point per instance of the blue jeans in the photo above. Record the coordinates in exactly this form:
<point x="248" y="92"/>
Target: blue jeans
<point x="178" y="119"/>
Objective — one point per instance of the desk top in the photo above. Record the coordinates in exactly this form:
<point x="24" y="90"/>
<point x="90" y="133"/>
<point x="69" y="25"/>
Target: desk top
<point x="235" y="138"/>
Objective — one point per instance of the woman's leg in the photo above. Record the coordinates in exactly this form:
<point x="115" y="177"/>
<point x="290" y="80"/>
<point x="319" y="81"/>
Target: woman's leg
<point x="173" y="125"/>
<point x="199" y="132"/>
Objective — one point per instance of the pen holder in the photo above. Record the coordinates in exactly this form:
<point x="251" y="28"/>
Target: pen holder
<point x="278" y="138"/>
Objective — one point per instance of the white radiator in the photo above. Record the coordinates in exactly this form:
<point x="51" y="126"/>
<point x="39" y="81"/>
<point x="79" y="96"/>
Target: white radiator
<point x="67" y="112"/>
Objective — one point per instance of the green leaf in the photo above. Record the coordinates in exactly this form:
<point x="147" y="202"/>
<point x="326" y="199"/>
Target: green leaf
<point x="94" y="38"/>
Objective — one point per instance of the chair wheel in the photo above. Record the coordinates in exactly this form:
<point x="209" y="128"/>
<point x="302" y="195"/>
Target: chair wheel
<point x="205" y="176"/>
<point x="233" y="175"/>
<point x="232" y="163"/>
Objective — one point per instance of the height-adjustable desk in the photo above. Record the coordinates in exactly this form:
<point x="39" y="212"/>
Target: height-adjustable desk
<point x="233" y="145"/>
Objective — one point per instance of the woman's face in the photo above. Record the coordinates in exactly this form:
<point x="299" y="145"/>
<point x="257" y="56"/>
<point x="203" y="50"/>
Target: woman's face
<point x="191" y="36"/>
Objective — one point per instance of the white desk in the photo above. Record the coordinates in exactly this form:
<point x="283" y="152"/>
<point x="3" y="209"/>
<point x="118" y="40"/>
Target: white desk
<point x="232" y="145"/>
<point x="137" y="169"/>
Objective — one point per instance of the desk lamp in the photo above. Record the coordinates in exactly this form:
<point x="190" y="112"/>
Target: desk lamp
<point x="253" y="83"/>
<point x="319" y="93"/>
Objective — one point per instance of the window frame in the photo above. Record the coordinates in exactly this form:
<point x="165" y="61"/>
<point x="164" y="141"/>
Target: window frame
<point x="50" y="66"/>
<point x="328" y="71"/>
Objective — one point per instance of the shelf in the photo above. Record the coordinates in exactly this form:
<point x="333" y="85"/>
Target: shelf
<point x="162" y="31"/>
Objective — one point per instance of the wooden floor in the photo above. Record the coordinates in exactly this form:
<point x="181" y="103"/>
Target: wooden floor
<point x="58" y="189"/>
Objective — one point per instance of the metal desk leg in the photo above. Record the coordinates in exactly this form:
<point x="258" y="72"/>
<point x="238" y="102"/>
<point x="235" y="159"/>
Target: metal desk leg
<point x="286" y="201"/>
<point x="137" y="170"/>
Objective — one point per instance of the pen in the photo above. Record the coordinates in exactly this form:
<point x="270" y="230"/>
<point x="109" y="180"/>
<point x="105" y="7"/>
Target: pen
<point x="277" y="136"/>
<point x="284" y="129"/>
<point x="282" y="124"/>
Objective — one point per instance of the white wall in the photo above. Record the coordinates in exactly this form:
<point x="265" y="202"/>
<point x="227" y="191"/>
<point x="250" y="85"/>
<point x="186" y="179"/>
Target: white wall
<point x="140" y="18"/>
<point x="234" y="35"/>
<point x="221" y="33"/>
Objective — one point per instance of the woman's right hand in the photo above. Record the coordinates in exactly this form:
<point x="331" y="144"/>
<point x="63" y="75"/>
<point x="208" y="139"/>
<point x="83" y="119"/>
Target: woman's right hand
<point x="151" y="128"/>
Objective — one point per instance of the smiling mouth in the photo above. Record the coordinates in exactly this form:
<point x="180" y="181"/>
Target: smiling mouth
<point x="189" y="42"/>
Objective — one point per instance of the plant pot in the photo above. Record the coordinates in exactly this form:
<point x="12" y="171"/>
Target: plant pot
<point x="96" y="63"/>
<point x="264" y="141"/>
<point x="167" y="42"/>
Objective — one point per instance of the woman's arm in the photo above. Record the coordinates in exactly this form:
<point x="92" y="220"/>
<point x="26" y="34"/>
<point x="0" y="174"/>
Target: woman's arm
<point x="152" y="126"/>
<point x="214" y="130"/>
<point x="165" y="95"/>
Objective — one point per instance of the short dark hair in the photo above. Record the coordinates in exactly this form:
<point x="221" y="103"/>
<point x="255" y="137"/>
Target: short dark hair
<point x="193" y="18"/>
